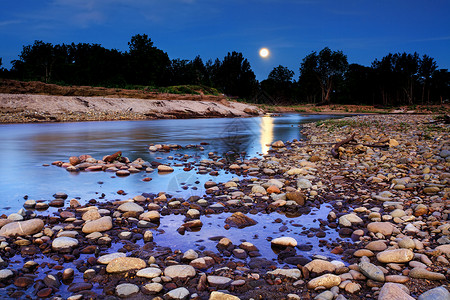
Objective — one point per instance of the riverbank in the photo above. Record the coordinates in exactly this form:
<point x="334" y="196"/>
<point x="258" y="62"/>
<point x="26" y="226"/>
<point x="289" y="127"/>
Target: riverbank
<point x="389" y="197"/>
<point x="26" y="108"/>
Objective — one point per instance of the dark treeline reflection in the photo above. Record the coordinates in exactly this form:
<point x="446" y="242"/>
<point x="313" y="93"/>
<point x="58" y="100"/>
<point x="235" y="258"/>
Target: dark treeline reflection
<point x="325" y="76"/>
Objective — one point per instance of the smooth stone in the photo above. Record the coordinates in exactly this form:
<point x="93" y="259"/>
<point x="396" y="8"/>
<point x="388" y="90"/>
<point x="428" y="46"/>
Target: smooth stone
<point x="284" y="241"/>
<point x="190" y="254"/>
<point x="407" y="243"/>
<point x="349" y="219"/>
<point x="107" y="258"/>
<point x="304" y="184"/>
<point x="371" y="271"/>
<point x="258" y="189"/>
<point x="384" y="228"/>
<point x="164" y="168"/>
<point x="320" y="266"/>
<point x="5" y="274"/>
<point x="444" y="249"/>
<point x="64" y="243"/>
<point x="394" y="291"/>
<point x="397" y="278"/>
<point x="379" y="245"/>
<point x="125" y="264"/>
<point x="180" y="271"/>
<point x="149" y="272"/>
<point x="438" y="293"/>
<point x="22" y="228"/>
<point x="125" y="290"/>
<point x="130" y="207"/>
<point x="395" y="256"/>
<point x="290" y="273"/>
<point x="99" y="225"/>
<point x="152" y="288"/>
<point x="219" y="281"/>
<point x="177" y="294"/>
<point x="327" y="281"/>
<point x="151" y="216"/>
<point x="222" y="296"/>
<point x="91" y="215"/>
<point x="422" y="273"/>
<point x="363" y="252"/>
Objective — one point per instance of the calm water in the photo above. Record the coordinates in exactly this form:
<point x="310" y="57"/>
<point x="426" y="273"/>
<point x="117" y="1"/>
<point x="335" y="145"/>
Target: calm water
<point x="24" y="148"/>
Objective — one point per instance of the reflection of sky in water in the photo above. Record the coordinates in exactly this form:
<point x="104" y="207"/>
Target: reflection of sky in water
<point x="25" y="147"/>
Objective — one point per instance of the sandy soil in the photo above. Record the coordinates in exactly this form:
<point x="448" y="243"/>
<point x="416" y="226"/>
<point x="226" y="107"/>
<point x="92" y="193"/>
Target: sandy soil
<point x="17" y="108"/>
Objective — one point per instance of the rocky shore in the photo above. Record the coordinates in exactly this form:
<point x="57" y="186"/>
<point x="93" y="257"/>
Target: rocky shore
<point x="388" y="188"/>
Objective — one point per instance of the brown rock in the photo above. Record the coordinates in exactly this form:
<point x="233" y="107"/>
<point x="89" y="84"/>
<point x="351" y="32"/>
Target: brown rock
<point x="125" y="264"/>
<point x="74" y="160"/>
<point x="23" y="282"/>
<point x="239" y="220"/>
<point x="298" y="197"/>
<point x="395" y="256"/>
<point x="385" y="228"/>
<point x="113" y="157"/>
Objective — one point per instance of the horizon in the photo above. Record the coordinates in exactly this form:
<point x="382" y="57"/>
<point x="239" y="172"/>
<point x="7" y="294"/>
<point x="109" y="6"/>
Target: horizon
<point x="187" y="28"/>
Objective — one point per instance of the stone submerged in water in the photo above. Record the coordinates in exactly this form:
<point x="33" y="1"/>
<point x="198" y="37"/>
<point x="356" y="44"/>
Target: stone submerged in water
<point x="22" y="228"/>
<point x="240" y="220"/>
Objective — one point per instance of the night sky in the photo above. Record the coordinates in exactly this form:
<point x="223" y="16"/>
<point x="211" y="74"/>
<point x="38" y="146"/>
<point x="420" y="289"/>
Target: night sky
<point x="290" y="29"/>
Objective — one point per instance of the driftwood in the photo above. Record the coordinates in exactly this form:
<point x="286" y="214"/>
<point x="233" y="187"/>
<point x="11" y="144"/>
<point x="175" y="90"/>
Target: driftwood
<point x="334" y="150"/>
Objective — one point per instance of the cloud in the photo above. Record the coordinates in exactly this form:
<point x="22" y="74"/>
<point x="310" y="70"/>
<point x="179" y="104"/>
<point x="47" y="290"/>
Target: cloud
<point x="9" y="22"/>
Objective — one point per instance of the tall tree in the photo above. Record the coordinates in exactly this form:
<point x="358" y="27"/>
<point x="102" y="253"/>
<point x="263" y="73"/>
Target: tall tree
<point x="148" y="64"/>
<point x="426" y="69"/>
<point x="279" y="84"/>
<point x="36" y="61"/>
<point x="234" y="75"/>
<point x="326" y="66"/>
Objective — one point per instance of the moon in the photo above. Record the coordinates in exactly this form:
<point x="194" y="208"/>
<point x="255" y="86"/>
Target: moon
<point x="264" y="52"/>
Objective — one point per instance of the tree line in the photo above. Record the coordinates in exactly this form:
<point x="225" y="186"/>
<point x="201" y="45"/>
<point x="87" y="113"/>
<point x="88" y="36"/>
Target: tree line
<point x="325" y="76"/>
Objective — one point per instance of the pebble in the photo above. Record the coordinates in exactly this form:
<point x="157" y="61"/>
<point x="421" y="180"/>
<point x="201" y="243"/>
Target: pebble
<point x="438" y="293"/>
<point x="327" y="281"/>
<point x="180" y="293"/>
<point x="425" y="274"/>
<point x="284" y="242"/>
<point x="180" y="271"/>
<point x="394" y="291"/>
<point x="126" y="290"/>
<point x="125" y="264"/>
<point x="149" y="272"/>
<point x="64" y="242"/>
<point x="99" y="225"/>
<point x="395" y="256"/>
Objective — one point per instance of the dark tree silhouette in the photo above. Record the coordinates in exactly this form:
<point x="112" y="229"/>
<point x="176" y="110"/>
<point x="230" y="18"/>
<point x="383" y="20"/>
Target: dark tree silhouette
<point x="279" y="84"/>
<point x="234" y="75"/>
<point x="148" y="64"/>
<point x="326" y="66"/>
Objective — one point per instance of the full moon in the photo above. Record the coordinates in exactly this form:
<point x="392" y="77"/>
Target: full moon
<point x="264" y="52"/>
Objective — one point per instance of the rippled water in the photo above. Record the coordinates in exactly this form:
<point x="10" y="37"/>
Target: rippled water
<point x="24" y="148"/>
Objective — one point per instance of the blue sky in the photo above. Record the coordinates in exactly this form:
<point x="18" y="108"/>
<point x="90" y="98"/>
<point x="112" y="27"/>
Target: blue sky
<point x="291" y="29"/>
